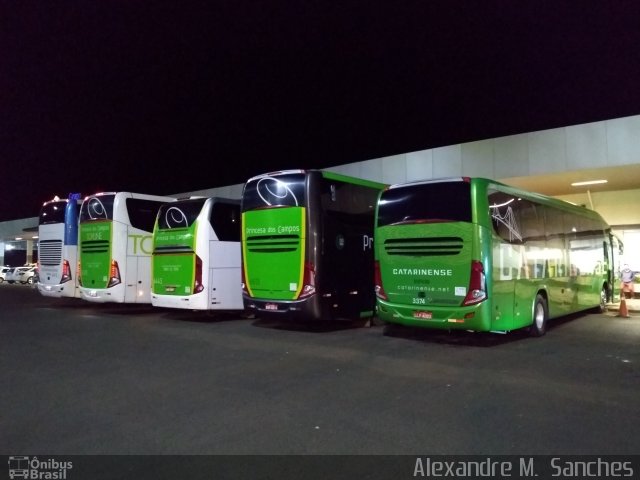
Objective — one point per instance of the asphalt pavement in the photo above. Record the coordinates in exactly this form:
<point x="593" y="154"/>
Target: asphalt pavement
<point x="80" y="378"/>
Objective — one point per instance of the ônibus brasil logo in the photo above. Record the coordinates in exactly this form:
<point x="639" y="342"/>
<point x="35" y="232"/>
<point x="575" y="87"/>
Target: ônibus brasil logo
<point x="33" y="468"/>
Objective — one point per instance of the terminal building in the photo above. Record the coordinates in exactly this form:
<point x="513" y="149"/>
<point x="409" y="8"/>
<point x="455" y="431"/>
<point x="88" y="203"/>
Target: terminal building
<point x="596" y="165"/>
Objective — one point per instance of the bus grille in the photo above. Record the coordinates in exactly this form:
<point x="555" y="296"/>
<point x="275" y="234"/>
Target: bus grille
<point x="95" y="246"/>
<point x="50" y="252"/>
<point x="273" y="243"/>
<point x="423" y="247"/>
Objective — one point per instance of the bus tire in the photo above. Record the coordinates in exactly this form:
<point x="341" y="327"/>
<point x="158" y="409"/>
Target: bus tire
<point x="604" y="295"/>
<point x="540" y="316"/>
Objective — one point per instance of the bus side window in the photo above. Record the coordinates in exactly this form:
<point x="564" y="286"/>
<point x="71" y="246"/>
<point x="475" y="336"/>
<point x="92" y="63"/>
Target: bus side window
<point x="556" y="242"/>
<point x="503" y="216"/>
<point x="225" y="221"/>
<point x="142" y="213"/>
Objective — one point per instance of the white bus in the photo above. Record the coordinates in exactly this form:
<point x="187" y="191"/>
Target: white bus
<point x="196" y="255"/>
<point x="58" y="247"/>
<point x="115" y="246"/>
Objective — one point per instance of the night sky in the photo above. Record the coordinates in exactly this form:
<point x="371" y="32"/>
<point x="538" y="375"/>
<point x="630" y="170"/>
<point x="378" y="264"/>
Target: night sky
<point x="167" y="97"/>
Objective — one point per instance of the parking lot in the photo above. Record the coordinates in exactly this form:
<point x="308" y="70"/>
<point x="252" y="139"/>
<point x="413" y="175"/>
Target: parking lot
<point x="80" y="378"/>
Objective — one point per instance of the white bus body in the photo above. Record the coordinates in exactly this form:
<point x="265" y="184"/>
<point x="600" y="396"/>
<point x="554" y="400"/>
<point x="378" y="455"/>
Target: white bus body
<point x="197" y="257"/>
<point x="115" y="246"/>
<point x="58" y="247"/>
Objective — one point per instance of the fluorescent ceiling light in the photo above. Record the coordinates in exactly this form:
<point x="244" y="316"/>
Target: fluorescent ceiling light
<point x="589" y="182"/>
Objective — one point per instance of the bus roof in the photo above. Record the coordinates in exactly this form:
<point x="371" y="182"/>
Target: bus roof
<point x="425" y="182"/>
<point x="326" y="174"/>
<point x="510" y="189"/>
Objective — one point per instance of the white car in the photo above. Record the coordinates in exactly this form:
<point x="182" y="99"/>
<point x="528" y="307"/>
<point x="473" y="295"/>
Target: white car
<point x="3" y="273"/>
<point x="23" y="275"/>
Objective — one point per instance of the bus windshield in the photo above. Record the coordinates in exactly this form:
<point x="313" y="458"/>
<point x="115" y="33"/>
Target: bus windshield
<point x="180" y="214"/>
<point x="97" y="208"/>
<point x="52" y="212"/>
<point x="286" y="190"/>
<point x="430" y="202"/>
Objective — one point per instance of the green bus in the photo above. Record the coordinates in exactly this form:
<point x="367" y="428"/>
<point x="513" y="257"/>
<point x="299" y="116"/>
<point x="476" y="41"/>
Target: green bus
<point x="475" y="254"/>
<point x="307" y="245"/>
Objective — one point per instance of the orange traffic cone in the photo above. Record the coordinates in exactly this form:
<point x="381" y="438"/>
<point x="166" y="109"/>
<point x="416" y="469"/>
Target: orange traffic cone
<point x="623" y="312"/>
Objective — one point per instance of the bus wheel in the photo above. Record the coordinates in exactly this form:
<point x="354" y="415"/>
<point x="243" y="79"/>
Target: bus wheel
<point x="602" y="308"/>
<point x="540" y="314"/>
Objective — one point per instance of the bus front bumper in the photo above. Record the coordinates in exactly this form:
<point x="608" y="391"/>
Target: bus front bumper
<point x="474" y="317"/>
<point x="100" y="295"/>
<point x="51" y="290"/>
<point x="187" y="302"/>
<point x="306" y="309"/>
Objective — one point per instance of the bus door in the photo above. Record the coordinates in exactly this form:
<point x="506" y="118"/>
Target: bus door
<point x="506" y="266"/>
<point x="138" y="280"/>
<point x="143" y="280"/>
<point x="225" y="277"/>
<point x="131" y="280"/>
<point x="336" y="267"/>
<point x="347" y="258"/>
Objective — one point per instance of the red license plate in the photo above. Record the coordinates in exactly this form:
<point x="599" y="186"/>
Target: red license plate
<point x="271" y="306"/>
<point x="426" y="315"/>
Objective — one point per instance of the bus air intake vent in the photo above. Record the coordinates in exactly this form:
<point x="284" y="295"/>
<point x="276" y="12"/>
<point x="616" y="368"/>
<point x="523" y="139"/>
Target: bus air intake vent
<point x="50" y="252"/>
<point x="173" y="249"/>
<point x="95" y="246"/>
<point x="273" y="243"/>
<point x="423" y="247"/>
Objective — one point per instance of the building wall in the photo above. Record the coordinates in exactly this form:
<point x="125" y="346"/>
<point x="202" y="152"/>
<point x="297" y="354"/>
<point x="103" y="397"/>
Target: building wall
<point x="609" y="143"/>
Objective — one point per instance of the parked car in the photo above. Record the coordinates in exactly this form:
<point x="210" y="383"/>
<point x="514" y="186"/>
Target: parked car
<point x="24" y="275"/>
<point x="8" y="276"/>
<point x="3" y="273"/>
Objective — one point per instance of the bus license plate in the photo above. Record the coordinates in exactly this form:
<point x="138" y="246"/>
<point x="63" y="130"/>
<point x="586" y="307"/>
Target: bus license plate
<point x="271" y="306"/>
<point x="93" y="293"/>
<point x="170" y="289"/>
<point x="425" y="315"/>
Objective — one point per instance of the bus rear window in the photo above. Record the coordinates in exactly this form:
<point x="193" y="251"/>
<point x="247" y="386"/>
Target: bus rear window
<point x="180" y="214"/>
<point x="285" y="190"/>
<point x="52" y="212"/>
<point x="99" y="207"/>
<point x="429" y="202"/>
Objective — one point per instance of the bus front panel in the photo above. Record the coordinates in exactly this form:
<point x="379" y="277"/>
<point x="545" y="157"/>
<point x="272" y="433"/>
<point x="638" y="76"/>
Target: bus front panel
<point x="273" y="242"/>
<point x="95" y="254"/>
<point x="426" y="274"/>
<point x="174" y="262"/>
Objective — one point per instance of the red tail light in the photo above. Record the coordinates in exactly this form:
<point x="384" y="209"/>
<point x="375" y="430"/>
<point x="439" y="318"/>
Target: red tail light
<point x="308" y="281"/>
<point x="197" y="281"/>
<point x="114" y="274"/>
<point x="378" y="282"/>
<point x="477" y="285"/>
<point x="66" y="271"/>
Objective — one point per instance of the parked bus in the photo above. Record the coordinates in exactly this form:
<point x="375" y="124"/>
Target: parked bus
<point x="115" y="246"/>
<point x="474" y="254"/>
<point x="58" y="247"/>
<point x="307" y="245"/>
<point x="196" y="255"/>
